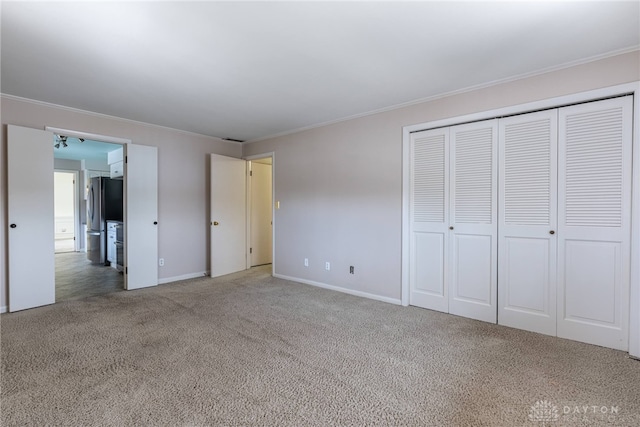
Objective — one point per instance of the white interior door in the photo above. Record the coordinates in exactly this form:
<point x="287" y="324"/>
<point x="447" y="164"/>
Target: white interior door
<point x="528" y="222"/>
<point x="429" y="216"/>
<point x="594" y="170"/>
<point x="141" y="216"/>
<point x="261" y="214"/>
<point x="473" y="221"/>
<point x="30" y="217"/>
<point x="228" y="215"/>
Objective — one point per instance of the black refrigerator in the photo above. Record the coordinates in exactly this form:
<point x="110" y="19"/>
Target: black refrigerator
<point x="104" y="203"/>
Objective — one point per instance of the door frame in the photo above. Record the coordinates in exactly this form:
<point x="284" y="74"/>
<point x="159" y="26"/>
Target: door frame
<point x="555" y="102"/>
<point x="101" y="138"/>
<point x="94" y="137"/>
<point x="271" y="155"/>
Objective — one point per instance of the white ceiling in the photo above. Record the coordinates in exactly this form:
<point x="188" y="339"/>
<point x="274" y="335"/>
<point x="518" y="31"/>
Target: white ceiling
<point x="248" y="70"/>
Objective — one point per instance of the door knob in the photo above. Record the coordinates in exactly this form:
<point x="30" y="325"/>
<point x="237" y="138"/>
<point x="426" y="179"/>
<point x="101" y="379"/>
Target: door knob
<point x="552" y="232"/>
<point x="216" y="223"/>
<point x="451" y="227"/>
<point x="13" y="226"/>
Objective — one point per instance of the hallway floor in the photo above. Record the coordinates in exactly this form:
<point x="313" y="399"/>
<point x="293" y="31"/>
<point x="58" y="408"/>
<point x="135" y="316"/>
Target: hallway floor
<point x="77" y="278"/>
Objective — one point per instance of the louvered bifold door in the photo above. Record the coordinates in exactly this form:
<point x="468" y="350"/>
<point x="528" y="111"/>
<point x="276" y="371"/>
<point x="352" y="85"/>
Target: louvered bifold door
<point x="429" y="212"/>
<point x="594" y="195"/>
<point x="527" y="224"/>
<point x="473" y="221"/>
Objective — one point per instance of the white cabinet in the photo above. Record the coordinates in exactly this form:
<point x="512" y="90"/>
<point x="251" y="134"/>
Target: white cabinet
<point x="115" y="159"/>
<point x="117" y="170"/>
<point x="111" y="242"/>
<point x="115" y="156"/>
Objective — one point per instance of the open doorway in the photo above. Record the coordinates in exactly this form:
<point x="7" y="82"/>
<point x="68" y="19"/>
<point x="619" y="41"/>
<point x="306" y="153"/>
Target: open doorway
<point x="260" y="214"/>
<point x="91" y="188"/>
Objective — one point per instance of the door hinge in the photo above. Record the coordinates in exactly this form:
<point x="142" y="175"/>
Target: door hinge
<point x="126" y="270"/>
<point x="250" y="250"/>
<point x="126" y="159"/>
<point x="250" y="173"/>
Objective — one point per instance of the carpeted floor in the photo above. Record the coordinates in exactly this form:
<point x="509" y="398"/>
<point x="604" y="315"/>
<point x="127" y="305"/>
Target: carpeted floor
<point x="248" y="349"/>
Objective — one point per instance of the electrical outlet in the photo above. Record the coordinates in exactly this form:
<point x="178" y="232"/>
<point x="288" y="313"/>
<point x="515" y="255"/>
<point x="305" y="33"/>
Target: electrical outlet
<point x="351" y="269"/>
<point x="327" y="266"/>
<point x="306" y="262"/>
<point x="161" y="262"/>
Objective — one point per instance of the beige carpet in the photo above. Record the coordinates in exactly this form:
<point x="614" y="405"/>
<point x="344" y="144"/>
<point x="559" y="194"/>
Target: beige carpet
<point x="248" y="349"/>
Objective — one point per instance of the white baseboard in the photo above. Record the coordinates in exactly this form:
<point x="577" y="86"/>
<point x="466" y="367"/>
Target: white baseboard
<point x="395" y="301"/>
<point x="3" y="309"/>
<point x="183" y="277"/>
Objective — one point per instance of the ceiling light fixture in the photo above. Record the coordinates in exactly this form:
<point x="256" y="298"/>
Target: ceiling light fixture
<point x="62" y="140"/>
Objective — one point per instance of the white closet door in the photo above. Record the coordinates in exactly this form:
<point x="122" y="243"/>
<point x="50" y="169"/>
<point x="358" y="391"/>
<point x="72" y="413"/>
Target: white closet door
<point x="594" y="161"/>
<point x="228" y="215"/>
<point x="429" y="216"/>
<point x="141" y="216"/>
<point x="473" y="221"/>
<point x="31" y="258"/>
<point x="528" y="222"/>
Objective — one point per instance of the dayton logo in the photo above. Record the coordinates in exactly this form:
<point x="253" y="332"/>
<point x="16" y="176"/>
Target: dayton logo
<point x="544" y="412"/>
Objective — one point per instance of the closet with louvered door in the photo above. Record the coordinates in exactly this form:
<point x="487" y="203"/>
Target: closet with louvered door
<point x="429" y="219"/>
<point x="453" y="220"/>
<point x="473" y="221"/>
<point x="526" y="221"/>
<point x="594" y="227"/>
<point x="527" y="238"/>
<point x="565" y="215"/>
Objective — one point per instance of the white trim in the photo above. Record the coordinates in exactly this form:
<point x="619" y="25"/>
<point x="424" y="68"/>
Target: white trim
<point x="555" y="102"/>
<point x="183" y="277"/>
<point x="623" y="89"/>
<point x="271" y="154"/>
<point x="454" y="92"/>
<point x="406" y="158"/>
<point x="247" y="213"/>
<point x="340" y="289"/>
<point x="3" y="309"/>
<point x="87" y="135"/>
<point x="634" y="281"/>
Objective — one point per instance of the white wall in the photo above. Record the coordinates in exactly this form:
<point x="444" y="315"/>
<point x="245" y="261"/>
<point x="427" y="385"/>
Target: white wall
<point x="340" y="186"/>
<point x="183" y="200"/>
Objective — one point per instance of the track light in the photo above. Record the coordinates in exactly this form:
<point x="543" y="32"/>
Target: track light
<point x="62" y="140"/>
